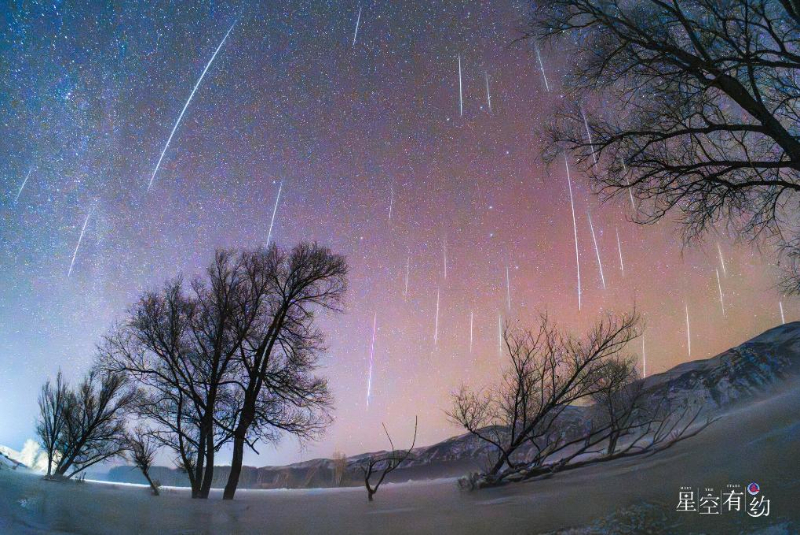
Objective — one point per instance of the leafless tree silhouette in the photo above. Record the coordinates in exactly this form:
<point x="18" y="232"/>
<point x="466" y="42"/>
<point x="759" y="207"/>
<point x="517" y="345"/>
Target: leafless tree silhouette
<point x="383" y="464"/>
<point x="691" y="106"/>
<point x="92" y="429"/>
<point x="275" y="389"/>
<point x="52" y="417"/>
<point x="525" y="419"/>
<point x="142" y="449"/>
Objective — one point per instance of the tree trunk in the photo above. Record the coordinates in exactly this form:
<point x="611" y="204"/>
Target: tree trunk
<point x="205" y="489"/>
<point x="245" y="420"/>
<point x="152" y="485"/>
<point x="236" y="466"/>
<point x="197" y="489"/>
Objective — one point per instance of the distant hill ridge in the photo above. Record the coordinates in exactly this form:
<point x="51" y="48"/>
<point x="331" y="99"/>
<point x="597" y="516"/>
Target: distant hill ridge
<point x="736" y="375"/>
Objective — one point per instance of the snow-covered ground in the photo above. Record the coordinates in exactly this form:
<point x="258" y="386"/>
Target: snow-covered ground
<point x="757" y="442"/>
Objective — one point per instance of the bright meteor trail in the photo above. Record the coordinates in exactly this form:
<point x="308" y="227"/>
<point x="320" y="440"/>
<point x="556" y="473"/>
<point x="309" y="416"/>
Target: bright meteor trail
<point x="22" y="187"/>
<point x="188" y="101"/>
<point x="596" y="250"/>
<point x="460" y="89"/>
<point x="508" y="289"/>
<point x="488" y="94"/>
<point x="589" y="135"/>
<point x="719" y="286"/>
<point x="80" y="239"/>
<point x="274" y="211"/>
<point x="688" y="332"/>
<point x="721" y="260"/>
<point x="471" y="321"/>
<point x="541" y="66"/>
<point x="619" y="248"/>
<point x="371" y="356"/>
<point x="574" y="230"/>
<point x="358" y="21"/>
<point x="436" y="321"/>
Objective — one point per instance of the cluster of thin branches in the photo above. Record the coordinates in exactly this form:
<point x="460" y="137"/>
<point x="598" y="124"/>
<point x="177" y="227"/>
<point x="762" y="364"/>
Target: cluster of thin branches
<point x="229" y="357"/>
<point x="524" y="419"/>
<point x="85" y="425"/>
<point x="692" y="107"/>
<point x="383" y="464"/>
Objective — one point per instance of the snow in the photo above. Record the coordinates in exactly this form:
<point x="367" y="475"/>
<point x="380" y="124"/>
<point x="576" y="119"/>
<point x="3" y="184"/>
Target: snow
<point x="753" y="442"/>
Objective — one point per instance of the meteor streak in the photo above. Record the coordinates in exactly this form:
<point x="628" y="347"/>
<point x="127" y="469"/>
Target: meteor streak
<point x="471" y="321"/>
<point x="596" y="250"/>
<point x="619" y="248"/>
<point x="460" y="89"/>
<point x="274" y="211"/>
<point x="721" y="260"/>
<point x="436" y="321"/>
<point x="719" y="286"/>
<point x="188" y="101"/>
<point x="22" y="187"/>
<point x="444" y="256"/>
<point x="408" y="266"/>
<point x="371" y="356"/>
<point x="644" y="359"/>
<point x="541" y="66"/>
<point x="358" y="21"/>
<point x="589" y="135"/>
<point x="627" y="182"/>
<point x="80" y="239"/>
<point x="391" y="202"/>
<point x="783" y="320"/>
<point x="688" y="332"/>
<point x="574" y="230"/>
<point x="508" y="289"/>
<point x="500" y="335"/>
<point x="488" y="94"/>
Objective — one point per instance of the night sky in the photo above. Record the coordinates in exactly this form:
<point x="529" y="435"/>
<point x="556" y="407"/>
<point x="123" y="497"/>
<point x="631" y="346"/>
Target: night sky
<point x="89" y="96"/>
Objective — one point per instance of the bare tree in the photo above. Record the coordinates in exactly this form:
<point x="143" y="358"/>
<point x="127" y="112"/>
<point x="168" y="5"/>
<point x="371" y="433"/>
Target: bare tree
<point x="93" y="429"/>
<point x="180" y="346"/>
<point x="52" y="417"/>
<point x="142" y="449"/>
<point x="232" y="357"/>
<point x="700" y="109"/>
<point x="530" y="420"/>
<point x="277" y="392"/>
<point x="384" y="464"/>
<point x="619" y="399"/>
<point x="549" y="371"/>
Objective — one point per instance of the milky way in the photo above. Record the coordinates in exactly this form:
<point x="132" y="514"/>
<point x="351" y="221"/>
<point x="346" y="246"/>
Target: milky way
<point x="311" y="121"/>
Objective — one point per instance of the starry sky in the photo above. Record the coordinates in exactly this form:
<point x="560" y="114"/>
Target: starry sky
<point x="373" y="157"/>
